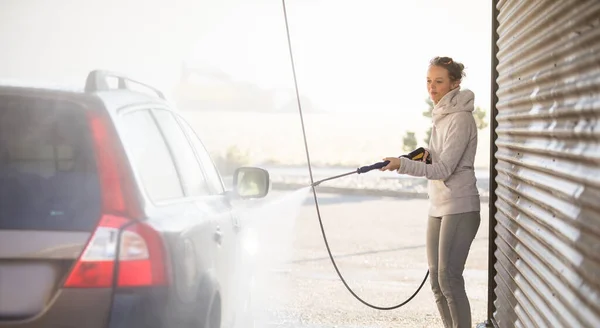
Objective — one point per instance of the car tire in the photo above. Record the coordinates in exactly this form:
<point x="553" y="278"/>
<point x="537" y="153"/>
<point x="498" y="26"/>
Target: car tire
<point x="213" y="317"/>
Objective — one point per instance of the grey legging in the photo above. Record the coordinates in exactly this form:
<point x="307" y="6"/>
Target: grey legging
<point x="449" y="239"/>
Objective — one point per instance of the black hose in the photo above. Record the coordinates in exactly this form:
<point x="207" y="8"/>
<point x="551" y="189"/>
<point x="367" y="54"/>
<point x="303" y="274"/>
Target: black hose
<point x="314" y="184"/>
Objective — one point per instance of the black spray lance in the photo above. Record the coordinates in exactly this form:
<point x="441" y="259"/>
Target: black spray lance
<point x="415" y="155"/>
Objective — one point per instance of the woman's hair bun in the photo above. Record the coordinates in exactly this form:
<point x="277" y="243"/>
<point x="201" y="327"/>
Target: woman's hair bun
<point x="456" y="70"/>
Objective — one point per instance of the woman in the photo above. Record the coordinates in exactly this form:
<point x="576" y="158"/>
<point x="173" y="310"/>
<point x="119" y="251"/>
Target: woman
<point x="454" y="200"/>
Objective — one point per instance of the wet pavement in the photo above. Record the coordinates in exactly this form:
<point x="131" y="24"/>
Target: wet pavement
<point x="379" y="246"/>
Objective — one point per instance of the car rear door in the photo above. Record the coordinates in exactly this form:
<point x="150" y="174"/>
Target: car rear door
<point x="180" y="204"/>
<point x="50" y="203"/>
<point x="209" y="201"/>
<point x="167" y="208"/>
<point x="231" y="225"/>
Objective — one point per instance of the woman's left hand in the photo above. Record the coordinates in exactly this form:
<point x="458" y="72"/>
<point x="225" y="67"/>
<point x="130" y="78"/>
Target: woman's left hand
<point x="393" y="165"/>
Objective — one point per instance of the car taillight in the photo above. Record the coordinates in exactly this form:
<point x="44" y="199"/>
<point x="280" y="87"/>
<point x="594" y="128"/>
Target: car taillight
<point x="141" y="258"/>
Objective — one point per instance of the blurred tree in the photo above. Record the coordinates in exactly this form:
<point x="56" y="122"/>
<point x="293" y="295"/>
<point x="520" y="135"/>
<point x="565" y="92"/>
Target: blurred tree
<point x="479" y="115"/>
<point x="233" y="158"/>
<point x="427" y="113"/>
<point x="427" y="137"/>
<point x="409" y="142"/>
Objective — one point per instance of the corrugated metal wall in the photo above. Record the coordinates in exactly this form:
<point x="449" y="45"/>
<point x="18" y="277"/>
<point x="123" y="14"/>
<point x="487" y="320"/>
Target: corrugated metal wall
<point x="547" y="257"/>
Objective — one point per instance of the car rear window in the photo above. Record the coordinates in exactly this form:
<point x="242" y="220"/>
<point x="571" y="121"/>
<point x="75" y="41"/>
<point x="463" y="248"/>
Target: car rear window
<point x="48" y="178"/>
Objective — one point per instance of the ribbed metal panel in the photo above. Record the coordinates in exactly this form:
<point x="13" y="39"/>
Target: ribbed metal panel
<point x="547" y="257"/>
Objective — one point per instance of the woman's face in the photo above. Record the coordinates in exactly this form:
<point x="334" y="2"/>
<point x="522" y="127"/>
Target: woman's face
<point x="439" y="83"/>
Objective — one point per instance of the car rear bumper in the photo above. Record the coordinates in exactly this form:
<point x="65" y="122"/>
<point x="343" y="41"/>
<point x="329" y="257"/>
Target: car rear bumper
<point x="93" y="308"/>
<point x="71" y="308"/>
<point x="139" y="308"/>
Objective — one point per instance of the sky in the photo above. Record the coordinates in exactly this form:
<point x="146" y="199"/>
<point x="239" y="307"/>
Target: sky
<point x="351" y="55"/>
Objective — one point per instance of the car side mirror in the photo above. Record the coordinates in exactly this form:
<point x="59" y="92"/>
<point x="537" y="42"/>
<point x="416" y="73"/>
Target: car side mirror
<point x="251" y="182"/>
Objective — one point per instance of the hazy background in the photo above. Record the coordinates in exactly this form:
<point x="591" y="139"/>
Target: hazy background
<point x="361" y="65"/>
<point x="361" y="70"/>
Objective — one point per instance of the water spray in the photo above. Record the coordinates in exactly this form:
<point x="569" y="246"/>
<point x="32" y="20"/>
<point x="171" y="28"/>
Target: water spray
<point x="418" y="154"/>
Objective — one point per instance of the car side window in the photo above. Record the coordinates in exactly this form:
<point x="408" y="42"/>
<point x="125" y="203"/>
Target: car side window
<point x="151" y="156"/>
<point x="212" y="174"/>
<point x="192" y="176"/>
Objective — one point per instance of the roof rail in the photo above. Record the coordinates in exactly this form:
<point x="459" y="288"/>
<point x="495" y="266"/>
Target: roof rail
<point x="97" y="80"/>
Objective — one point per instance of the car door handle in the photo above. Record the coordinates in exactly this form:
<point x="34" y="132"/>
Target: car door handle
<point x="218" y="236"/>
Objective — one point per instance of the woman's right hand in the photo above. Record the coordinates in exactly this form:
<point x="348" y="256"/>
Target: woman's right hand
<point x="425" y="156"/>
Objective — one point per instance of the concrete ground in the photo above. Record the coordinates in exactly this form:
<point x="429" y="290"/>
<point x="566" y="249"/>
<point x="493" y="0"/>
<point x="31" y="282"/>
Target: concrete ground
<point x="379" y="246"/>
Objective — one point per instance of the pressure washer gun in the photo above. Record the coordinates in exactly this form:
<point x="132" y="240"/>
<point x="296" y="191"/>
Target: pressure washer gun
<point x="415" y="155"/>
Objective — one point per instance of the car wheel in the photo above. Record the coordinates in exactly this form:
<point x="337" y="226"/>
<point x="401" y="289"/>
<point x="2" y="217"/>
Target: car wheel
<point x="212" y="319"/>
<point x="214" y="316"/>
